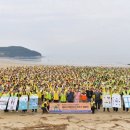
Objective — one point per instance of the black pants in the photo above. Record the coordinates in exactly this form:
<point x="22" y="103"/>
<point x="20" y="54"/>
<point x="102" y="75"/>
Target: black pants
<point x="56" y="101"/>
<point x="115" y="109"/>
<point x="125" y="109"/>
<point x="34" y="110"/>
<point x="97" y="103"/>
<point x="107" y="109"/>
<point x="93" y="109"/>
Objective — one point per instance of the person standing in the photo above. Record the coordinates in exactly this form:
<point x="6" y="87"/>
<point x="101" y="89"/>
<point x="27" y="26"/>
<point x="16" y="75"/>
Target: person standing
<point x="125" y="92"/>
<point x="97" y="96"/>
<point x="89" y="94"/>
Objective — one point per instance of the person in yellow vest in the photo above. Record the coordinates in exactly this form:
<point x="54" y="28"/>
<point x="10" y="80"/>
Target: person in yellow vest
<point x="106" y="92"/>
<point x="34" y="94"/>
<point x="63" y="96"/>
<point x="23" y="93"/>
<point x="6" y="94"/>
<point x="115" y="108"/>
<point x="56" y="96"/>
<point x="45" y="107"/>
<point x="125" y="92"/>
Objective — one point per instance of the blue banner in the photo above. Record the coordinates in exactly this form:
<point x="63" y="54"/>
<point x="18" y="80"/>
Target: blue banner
<point x="33" y="102"/>
<point x="23" y="103"/>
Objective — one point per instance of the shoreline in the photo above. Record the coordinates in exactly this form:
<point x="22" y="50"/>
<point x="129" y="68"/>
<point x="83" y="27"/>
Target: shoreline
<point x="4" y="63"/>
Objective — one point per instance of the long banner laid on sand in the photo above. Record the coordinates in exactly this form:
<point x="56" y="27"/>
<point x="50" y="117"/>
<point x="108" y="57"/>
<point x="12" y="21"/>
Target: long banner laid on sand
<point x="70" y="108"/>
<point x="126" y="101"/>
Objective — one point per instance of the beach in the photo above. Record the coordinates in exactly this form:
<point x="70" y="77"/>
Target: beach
<point x="98" y="121"/>
<point x="38" y="121"/>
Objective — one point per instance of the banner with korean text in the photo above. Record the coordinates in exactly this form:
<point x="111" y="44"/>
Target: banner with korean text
<point x="3" y="102"/>
<point x="116" y="100"/>
<point x="12" y="103"/>
<point x="126" y="101"/>
<point x="70" y="108"/>
<point x="107" y="101"/>
<point x="33" y="102"/>
<point x="23" y="103"/>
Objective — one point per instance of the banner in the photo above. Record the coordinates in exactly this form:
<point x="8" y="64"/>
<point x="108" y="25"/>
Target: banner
<point x="70" y="108"/>
<point x="116" y="100"/>
<point x="12" y="103"/>
<point x="23" y="103"/>
<point x="33" y="102"/>
<point x="3" y="102"/>
<point x="126" y="101"/>
<point x="107" y="101"/>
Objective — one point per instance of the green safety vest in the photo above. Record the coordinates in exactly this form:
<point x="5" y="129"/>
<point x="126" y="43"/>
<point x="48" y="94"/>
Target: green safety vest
<point x="63" y="97"/>
<point x="48" y="96"/>
<point x="126" y="92"/>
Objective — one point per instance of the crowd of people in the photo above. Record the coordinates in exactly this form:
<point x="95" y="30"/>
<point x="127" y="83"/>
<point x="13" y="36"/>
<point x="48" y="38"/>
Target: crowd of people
<point x="65" y="83"/>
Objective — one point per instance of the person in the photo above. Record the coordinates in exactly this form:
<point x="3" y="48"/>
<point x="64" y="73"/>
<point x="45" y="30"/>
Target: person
<point x="97" y="96"/>
<point x="5" y="93"/>
<point x="45" y="107"/>
<point x="89" y="94"/>
<point x="125" y="92"/>
<point x="92" y="105"/>
<point x="83" y="96"/>
<point x="24" y="94"/>
<point x="106" y="92"/>
<point x="63" y="96"/>
<point x="34" y="94"/>
<point x="70" y="96"/>
<point x="56" y="95"/>
<point x="77" y="96"/>
<point x="115" y="108"/>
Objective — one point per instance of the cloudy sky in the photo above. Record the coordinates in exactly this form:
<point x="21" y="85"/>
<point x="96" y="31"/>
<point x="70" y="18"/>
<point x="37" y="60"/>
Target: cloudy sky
<point x="73" y="30"/>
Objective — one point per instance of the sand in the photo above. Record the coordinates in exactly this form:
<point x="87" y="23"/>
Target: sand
<point x="38" y="121"/>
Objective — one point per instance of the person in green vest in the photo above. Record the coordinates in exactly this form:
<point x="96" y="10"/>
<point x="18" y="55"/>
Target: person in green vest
<point x="49" y="95"/>
<point x="125" y="92"/>
<point x="63" y="96"/>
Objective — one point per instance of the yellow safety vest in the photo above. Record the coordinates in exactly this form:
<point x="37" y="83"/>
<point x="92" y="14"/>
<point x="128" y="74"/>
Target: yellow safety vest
<point x="56" y="96"/>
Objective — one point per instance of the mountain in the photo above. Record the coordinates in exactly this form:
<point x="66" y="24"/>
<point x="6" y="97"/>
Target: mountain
<point x="18" y="51"/>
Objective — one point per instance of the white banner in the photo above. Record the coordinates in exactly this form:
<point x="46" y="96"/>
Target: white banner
<point x="116" y="100"/>
<point x="107" y="101"/>
<point x="3" y="102"/>
<point x="126" y="101"/>
<point x="12" y="103"/>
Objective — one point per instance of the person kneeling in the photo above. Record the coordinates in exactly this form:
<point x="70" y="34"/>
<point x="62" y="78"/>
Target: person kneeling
<point x="45" y="107"/>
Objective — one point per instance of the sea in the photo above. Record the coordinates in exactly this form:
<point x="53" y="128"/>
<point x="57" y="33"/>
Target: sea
<point x="66" y="62"/>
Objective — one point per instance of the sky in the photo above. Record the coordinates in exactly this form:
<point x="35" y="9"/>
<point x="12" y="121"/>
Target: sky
<point x="76" y="31"/>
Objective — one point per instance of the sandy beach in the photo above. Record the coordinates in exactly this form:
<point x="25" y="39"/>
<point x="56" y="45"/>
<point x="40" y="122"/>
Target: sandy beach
<point x="38" y="121"/>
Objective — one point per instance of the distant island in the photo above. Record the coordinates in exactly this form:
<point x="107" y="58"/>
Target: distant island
<point x="18" y="52"/>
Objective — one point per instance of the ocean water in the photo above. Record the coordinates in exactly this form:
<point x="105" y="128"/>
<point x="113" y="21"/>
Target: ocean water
<point x="66" y="61"/>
